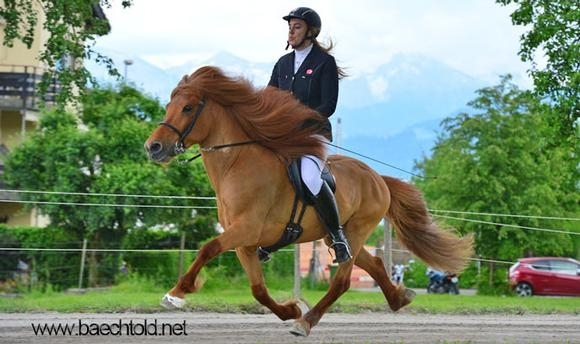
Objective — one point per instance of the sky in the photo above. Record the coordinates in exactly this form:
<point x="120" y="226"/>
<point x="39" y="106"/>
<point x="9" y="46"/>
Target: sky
<point x="474" y="36"/>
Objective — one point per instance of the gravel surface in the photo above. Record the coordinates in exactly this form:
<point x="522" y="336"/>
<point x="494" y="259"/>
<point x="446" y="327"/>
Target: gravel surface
<point x="382" y="327"/>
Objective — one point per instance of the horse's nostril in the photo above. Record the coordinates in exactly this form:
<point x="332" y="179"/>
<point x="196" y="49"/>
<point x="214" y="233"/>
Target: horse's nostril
<point x="155" y="147"/>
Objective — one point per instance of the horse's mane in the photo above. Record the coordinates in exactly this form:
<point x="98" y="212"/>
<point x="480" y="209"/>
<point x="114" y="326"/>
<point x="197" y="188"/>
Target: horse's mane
<point x="272" y="117"/>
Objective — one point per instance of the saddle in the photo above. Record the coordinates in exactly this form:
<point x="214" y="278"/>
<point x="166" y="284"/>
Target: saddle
<point x="301" y="194"/>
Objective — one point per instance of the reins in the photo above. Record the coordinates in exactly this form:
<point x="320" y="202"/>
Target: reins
<point x="215" y="148"/>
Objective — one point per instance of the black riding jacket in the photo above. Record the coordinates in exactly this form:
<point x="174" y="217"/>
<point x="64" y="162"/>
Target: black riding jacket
<point x="315" y="84"/>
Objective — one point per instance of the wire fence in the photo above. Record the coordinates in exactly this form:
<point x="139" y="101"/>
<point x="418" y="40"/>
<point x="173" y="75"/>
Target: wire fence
<point x="474" y="217"/>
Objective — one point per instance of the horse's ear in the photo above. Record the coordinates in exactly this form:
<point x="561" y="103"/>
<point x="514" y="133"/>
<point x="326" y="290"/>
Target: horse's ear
<point x="209" y="72"/>
<point x="183" y="80"/>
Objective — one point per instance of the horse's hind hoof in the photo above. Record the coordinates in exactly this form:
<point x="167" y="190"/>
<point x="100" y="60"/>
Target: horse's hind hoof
<point x="303" y="307"/>
<point x="410" y="294"/>
<point x="300" y="329"/>
<point x="172" y="302"/>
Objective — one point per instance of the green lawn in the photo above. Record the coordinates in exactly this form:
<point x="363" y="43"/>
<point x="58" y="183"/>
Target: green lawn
<point x="133" y="297"/>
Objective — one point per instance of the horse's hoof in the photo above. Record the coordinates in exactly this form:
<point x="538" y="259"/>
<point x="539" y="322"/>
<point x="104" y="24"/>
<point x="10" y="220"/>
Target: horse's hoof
<point x="172" y="302"/>
<point x="300" y="329"/>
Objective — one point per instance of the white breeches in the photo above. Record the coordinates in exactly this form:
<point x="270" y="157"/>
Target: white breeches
<point x="311" y="171"/>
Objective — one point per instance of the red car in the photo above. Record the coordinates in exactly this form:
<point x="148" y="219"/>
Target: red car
<point x="545" y="276"/>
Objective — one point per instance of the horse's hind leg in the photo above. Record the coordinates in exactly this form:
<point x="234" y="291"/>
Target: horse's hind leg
<point x="397" y="296"/>
<point x="251" y="265"/>
<point x="339" y="285"/>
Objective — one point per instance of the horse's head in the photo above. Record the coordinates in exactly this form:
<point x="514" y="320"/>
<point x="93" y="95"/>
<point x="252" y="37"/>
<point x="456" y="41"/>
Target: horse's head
<point x="176" y="132"/>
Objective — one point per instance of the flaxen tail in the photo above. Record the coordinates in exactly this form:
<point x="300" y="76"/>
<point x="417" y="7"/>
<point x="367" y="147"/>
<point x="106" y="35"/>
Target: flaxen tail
<point x="437" y="247"/>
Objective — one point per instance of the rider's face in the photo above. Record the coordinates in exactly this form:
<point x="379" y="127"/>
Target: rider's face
<point x="297" y="30"/>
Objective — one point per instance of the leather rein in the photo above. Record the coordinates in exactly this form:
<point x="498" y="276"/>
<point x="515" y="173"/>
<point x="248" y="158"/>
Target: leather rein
<point x="180" y="144"/>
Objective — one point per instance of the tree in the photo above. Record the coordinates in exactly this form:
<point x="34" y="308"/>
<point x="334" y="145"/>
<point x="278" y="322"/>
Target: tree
<point x="72" y="26"/>
<point x="97" y="157"/>
<point x="499" y="161"/>
<point x="554" y="31"/>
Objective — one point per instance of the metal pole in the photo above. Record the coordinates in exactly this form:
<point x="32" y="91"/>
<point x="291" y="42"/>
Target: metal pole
<point x="388" y="252"/>
<point x="83" y="258"/>
<point x="127" y="64"/>
<point x="297" y="276"/>
<point x="181" y="249"/>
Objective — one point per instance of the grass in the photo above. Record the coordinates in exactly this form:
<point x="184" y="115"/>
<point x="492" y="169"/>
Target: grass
<point x="141" y="297"/>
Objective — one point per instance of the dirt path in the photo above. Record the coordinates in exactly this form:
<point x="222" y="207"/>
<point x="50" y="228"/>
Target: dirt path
<point x="399" y="328"/>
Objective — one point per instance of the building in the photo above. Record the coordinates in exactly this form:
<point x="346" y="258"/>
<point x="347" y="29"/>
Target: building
<point x="20" y="74"/>
<point x="319" y="252"/>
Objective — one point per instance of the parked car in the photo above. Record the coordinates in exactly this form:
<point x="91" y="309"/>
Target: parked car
<point x="545" y="276"/>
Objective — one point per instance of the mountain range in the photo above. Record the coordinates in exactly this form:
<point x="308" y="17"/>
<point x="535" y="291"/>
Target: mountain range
<point x="388" y="118"/>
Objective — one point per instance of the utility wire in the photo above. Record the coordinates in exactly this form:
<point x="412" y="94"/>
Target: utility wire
<point x="506" y="215"/>
<point x="510" y="225"/>
<point x="105" y="194"/>
<point x="114" y="205"/>
<point x="375" y="160"/>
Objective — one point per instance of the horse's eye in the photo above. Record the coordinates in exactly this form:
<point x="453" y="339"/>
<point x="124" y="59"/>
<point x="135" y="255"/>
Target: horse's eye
<point x="187" y="108"/>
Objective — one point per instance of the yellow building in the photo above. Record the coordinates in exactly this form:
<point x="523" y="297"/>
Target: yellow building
<point x="20" y="74"/>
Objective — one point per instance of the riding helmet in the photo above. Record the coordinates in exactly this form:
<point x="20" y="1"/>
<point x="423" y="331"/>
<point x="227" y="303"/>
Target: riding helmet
<point x="309" y="15"/>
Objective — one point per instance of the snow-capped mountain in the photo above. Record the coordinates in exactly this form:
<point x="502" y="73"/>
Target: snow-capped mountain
<point x="390" y="116"/>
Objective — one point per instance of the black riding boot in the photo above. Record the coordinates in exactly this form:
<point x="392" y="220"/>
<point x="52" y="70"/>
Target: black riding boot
<point x="325" y="205"/>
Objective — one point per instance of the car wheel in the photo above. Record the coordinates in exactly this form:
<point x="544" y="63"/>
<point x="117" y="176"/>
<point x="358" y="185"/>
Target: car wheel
<point x="524" y="289"/>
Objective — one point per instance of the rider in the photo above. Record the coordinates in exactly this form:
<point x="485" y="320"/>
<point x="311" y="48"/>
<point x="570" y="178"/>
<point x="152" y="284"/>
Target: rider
<point x="311" y="74"/>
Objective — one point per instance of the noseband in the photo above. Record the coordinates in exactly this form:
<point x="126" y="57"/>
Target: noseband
<point x="180" y="145"/>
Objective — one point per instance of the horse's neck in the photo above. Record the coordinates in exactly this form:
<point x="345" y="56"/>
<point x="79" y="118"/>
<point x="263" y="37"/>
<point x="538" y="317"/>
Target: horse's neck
<point x="220" y="162"/>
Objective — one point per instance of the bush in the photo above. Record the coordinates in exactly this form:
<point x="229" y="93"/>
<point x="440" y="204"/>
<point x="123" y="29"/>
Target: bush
<point x="499" y="284"/>
<point x="58" y="268"/>
<point x="161" y="267"/>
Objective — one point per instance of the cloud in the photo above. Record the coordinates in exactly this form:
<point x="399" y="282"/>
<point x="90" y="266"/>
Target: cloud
<point x="475" y="36"/>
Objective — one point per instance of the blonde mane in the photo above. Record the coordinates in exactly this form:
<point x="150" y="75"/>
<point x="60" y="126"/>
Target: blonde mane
<point x="272" y="117"/>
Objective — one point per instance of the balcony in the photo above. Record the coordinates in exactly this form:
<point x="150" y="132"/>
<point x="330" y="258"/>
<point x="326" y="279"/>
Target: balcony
<point x="19" y="88"/>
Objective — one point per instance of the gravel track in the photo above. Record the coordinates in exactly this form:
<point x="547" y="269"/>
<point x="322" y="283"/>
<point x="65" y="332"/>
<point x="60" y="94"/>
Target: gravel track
<point x="380" y="327"/>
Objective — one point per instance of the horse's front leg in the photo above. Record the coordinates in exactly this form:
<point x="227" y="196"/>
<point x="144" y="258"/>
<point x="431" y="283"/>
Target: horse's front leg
<point x="189" y="283"/>
<point x="249" y="260"/>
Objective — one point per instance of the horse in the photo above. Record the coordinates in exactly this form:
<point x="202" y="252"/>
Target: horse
<point x="247" y="137"/>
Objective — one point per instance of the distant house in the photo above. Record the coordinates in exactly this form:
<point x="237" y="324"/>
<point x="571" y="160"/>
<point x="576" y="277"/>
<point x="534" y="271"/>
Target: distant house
<point x="318" y="252"/>
<point x="20" y="74"/>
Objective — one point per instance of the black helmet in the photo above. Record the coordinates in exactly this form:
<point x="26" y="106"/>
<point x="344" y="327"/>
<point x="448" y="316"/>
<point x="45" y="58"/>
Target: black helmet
<point x="308" y="15"/>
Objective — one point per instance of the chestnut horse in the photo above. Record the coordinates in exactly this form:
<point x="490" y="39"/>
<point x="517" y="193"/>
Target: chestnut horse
<point x="247" y="138"/>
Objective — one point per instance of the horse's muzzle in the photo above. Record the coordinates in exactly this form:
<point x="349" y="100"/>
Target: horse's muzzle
<point x="158" y="152"/>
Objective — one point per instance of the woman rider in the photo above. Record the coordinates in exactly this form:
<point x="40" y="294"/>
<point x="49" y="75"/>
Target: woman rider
<point x="310" y="73"/>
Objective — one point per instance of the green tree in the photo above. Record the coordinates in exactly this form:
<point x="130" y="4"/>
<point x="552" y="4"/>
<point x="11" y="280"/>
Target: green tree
<point x="72" y="27"/>
<point x="499" y="161"/>
<point x="554" y="31"/>
<point x="97" y="158"/>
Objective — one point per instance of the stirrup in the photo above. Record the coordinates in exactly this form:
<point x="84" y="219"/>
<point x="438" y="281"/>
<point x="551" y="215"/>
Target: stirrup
<point x="341" y="252"/>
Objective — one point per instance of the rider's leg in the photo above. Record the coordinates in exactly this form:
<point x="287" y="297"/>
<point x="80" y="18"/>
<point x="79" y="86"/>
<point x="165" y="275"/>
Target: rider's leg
<point x="325" y="205"/>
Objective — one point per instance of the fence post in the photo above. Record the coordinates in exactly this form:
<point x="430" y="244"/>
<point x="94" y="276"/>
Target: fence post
<point x="83" y="257"/>
<point x="181" y="249"/>
<point x="297" y="276"/>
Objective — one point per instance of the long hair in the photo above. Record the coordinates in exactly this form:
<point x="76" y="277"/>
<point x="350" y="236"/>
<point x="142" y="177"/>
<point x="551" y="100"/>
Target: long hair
<point x="327" y="48"/>
<point x="270" y="116"/>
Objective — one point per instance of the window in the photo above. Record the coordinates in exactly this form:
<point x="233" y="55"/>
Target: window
<point x="564" y="267"/>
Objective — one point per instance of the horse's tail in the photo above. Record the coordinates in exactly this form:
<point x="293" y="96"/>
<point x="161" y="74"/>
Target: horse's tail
<point x="438" y="247"/>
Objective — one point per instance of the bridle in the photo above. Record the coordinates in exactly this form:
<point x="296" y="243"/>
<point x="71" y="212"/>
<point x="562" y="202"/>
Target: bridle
<point x="180" y="144"/>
